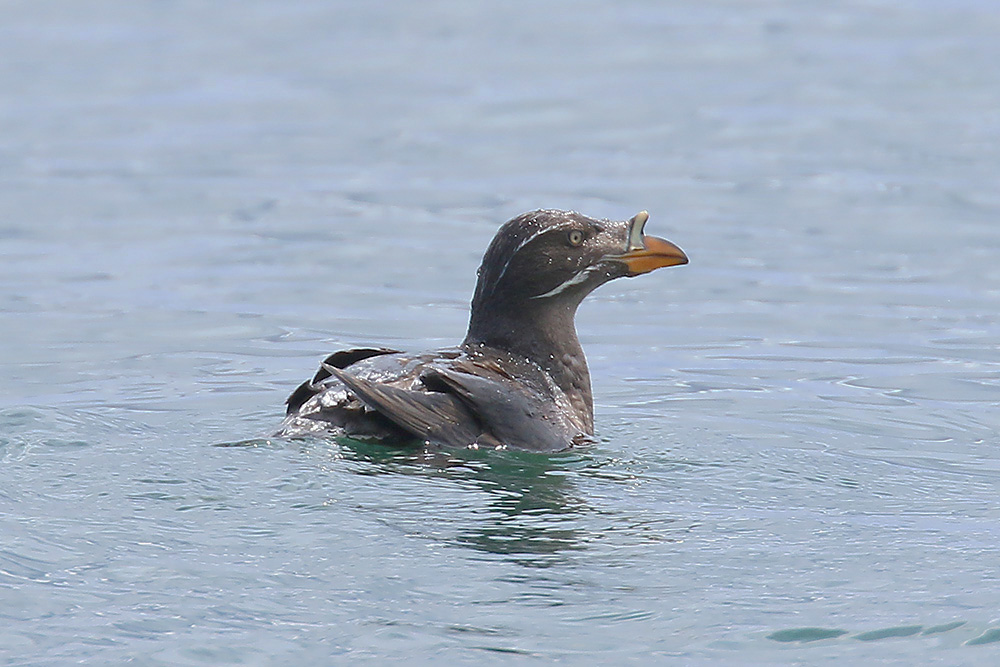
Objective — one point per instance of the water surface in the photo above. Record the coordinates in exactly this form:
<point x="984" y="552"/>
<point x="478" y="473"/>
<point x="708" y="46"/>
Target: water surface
<point x="797" y="431"/>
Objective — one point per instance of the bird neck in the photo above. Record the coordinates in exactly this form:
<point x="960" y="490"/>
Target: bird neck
<point x="544" y="334"/>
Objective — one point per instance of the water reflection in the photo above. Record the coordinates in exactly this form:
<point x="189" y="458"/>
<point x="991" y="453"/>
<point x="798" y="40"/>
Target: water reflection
<point x="532" y="508"/>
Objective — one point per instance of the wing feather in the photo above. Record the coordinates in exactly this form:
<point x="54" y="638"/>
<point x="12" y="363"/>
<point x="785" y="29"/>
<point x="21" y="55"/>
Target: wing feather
<point x="435" y="416"/>
<point x="341" y="359"/>
<point x="512" y="413"/>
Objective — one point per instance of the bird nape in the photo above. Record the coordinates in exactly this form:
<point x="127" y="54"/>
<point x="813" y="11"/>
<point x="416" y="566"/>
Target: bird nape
<point x="520" y="378"/>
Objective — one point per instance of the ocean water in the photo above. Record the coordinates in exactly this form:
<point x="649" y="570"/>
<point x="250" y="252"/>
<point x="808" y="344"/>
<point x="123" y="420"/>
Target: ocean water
<point x="798" y="432"/>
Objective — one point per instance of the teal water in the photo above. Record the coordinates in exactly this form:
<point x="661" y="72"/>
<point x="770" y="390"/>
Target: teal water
<point x="797" y="431"/>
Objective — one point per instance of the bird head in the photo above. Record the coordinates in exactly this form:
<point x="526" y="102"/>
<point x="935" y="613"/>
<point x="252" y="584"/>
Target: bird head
<point x="550" y="256"/>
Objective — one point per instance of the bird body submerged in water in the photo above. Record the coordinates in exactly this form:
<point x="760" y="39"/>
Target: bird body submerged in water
<point x="520" y="378"/>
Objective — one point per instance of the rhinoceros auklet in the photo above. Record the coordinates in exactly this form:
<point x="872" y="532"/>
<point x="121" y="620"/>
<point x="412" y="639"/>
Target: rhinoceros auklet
<point x="519" y="379"/>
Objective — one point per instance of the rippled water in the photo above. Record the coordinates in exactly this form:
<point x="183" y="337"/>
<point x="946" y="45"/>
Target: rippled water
<point x="798" y="431"/>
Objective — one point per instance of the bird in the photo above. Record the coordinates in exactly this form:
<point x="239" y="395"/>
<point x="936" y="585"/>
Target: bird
<point x="519" y="379"/>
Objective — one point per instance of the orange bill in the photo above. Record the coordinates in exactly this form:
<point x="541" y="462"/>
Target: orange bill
<point x="656" y="253"/>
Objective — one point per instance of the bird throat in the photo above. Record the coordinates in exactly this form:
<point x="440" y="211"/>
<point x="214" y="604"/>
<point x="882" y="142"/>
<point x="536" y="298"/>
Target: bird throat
<point x="546" y="336"/>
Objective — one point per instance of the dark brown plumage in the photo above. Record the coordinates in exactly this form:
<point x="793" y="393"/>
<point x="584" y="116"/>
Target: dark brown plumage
<point x="520" y="378"/>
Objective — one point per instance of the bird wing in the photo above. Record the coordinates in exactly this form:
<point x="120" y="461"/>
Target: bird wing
<point x="341" y="359"/>
<point x="433" y="415"/>
<point x="515" y="413"/>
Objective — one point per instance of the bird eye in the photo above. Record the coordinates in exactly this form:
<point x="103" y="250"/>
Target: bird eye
<point x="575" y="237"/>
